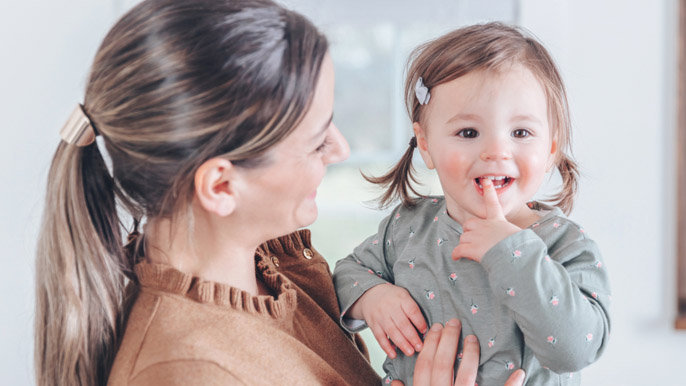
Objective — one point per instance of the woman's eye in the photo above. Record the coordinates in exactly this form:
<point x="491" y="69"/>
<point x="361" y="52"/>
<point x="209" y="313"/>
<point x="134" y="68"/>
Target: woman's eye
<point x="322" y="148"/>
<point x="521" y="133"/>
<point x="468" y="133"/>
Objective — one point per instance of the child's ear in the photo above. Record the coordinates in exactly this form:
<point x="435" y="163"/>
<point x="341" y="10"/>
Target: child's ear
<point x="552" y="157"/>
<point x="422" y="144"/>
<point x="214" y="186"/>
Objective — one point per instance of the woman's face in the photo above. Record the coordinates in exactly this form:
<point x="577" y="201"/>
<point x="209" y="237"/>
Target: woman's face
<point x="283" y="192"/>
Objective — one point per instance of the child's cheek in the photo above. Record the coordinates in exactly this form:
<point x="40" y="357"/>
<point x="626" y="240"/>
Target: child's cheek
<point x="455" y="167"/>
<point x="533" y="170"/>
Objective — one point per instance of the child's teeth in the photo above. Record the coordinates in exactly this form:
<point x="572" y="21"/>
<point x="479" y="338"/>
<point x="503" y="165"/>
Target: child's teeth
<point x="501" y="179"/>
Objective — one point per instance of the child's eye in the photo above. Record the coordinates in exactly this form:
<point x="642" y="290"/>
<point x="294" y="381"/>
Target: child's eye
<point x="521" y="133"/>
<point x="468" y="133"/>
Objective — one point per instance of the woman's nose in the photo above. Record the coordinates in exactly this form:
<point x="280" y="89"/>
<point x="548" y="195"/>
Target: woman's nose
<point x="339" y="149"/>
<point x="496" y="150"/>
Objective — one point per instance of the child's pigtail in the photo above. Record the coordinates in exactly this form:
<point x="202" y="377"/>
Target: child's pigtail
<point x="569" y="172"/>
<point x="397" y="183"/>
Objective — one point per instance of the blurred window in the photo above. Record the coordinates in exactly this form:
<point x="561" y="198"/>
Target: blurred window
<point x="681" y="170"/>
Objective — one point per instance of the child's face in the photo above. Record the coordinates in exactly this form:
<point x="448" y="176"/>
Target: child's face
<point x="488" y="124"/>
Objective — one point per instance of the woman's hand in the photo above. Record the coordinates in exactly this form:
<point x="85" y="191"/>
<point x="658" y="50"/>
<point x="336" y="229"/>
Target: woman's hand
<point x="434" y="365"/>
<point x="390" y="311"/>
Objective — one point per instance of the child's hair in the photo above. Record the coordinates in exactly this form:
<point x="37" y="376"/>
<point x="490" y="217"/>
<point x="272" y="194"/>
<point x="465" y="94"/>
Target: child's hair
<point x="492" y="47"/>
<point x="173" y="84"/>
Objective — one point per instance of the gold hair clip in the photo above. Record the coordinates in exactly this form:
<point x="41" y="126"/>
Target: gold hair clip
<point x="78" y="130"/>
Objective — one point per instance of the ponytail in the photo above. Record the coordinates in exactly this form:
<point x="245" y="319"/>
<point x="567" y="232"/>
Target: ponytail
<point x="398" y="181"/>
<point x="80" y="271"/>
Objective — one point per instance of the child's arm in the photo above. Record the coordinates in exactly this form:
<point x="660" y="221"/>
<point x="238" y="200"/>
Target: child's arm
<point x="387" y="309"/>
<point x="559" y="301"/>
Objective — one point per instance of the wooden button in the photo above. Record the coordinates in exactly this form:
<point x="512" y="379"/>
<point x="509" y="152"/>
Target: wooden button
<point x="275" y="260"/>
<point x="308" y="253"/>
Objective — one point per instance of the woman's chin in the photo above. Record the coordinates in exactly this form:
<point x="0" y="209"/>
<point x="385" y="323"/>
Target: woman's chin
<point x="307" y="216"/>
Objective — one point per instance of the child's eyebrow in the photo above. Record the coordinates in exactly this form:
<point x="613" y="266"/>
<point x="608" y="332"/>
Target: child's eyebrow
<point x="525" y="117"/>
<point x="464" y="117"/>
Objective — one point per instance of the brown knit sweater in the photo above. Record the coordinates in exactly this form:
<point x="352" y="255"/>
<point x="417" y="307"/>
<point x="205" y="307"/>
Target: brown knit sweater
<point x="183" y="330"/>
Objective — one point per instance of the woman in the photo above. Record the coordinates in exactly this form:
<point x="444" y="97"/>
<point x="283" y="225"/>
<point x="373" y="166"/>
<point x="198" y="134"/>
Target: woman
<point x="217" y="117"/>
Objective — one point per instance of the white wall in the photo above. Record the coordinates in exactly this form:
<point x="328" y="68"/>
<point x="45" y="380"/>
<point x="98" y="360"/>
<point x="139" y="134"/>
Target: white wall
<point x="616" y="57"/>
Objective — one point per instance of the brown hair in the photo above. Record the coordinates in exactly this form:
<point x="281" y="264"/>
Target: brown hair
<point x="490" y="46"/>
<point x="174" y="83"/>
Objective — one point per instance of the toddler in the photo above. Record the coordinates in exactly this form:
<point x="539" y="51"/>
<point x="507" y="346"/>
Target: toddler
<point x="490" y="115"/>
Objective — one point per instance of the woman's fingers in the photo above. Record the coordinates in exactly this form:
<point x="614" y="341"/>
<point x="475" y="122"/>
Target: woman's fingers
<point x="469" y="365"/>
<point x="435" y="362"/>
<point x="422" y="368"/>
<point x="516" y="379"/>
<point x="400" y="383"/>
<point x="444" y="359"/>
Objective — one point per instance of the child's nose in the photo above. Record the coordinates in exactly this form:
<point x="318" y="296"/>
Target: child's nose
<point x="496" y="150"/>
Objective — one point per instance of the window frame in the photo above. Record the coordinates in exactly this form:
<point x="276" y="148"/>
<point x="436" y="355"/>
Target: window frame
<point x="680" y="322"/>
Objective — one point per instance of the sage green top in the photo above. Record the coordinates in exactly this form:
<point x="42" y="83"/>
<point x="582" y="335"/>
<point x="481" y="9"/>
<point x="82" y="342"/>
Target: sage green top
<point x="538" y="300"/>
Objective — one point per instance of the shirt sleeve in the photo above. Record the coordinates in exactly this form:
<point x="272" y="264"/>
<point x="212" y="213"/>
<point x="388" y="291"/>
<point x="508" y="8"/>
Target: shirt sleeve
<point x="363" y="269"/>
<point x="560" y="302"/>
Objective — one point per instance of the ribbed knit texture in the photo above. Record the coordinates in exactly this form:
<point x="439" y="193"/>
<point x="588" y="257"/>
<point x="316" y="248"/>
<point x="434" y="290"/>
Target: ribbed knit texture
<point x="167" y="279"/>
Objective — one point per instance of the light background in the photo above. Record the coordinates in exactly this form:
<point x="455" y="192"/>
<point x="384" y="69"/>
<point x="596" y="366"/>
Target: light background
<point x="617" y="58"/>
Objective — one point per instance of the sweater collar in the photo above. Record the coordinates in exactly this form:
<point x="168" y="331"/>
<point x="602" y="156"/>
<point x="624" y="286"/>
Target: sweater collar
<point x="165" y="278"/>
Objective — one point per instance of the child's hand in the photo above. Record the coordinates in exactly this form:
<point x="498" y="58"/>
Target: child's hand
<point x="480" y="235"/>
<point x="390" y="311"/>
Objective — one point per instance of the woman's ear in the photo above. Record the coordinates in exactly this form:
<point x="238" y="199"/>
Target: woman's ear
<point x="422" y="144"/>
<point x="214" y="186"/>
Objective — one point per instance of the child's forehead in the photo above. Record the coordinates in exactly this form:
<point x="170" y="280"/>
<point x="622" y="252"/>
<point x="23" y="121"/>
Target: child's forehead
<point x="516" y="88"/>
<point x="515" y="74"/>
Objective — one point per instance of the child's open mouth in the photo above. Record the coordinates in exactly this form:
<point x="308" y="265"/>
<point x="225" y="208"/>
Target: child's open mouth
<point x="499" y="182"/>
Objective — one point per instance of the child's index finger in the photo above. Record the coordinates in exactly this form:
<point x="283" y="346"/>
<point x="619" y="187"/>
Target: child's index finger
<point x="493" y="209"/>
